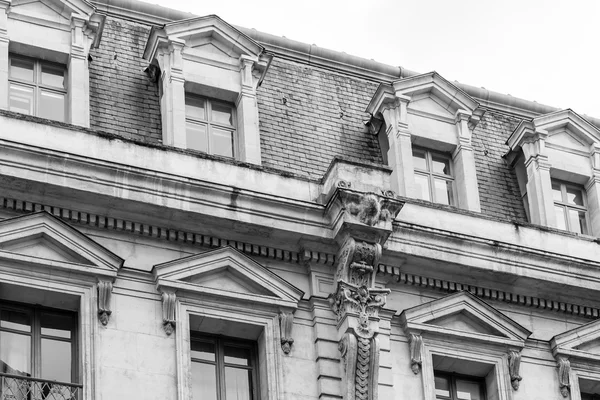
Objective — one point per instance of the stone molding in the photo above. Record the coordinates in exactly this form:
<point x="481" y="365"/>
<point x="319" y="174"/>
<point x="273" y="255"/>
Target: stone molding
<point x="514" y="364"/>
<point x="415" y="342"/>
<point x="168" y="312"/>
<point x="104" y="295"/>
<point x="286" y="324"/>
<point x="563" y="367"/>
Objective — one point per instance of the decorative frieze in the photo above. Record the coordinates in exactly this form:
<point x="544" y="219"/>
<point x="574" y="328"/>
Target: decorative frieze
<point x="416" y="344"/>
<point x="104" y="294"/>
<point x="514" y="363"/>
<point x="286" y="323"/>
<point x="168" y="314"/>
<point x="564" y="370"/>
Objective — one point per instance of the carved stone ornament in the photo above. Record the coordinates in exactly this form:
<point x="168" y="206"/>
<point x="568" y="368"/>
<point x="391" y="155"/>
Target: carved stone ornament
<point x="514" y="363"/>
<point x="564" y="369"/>
<point x="369" y="208"/>
<point x="286" y="323"/>
<point x="361" y="301"/>
<point x="357" y="261"/>
<point x="104" y="294"/>
<point x="168" y="303"/>
<point x="416" y="343"/>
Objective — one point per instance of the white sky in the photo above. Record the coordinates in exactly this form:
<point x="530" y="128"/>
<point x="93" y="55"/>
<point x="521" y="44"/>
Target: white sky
<point x="542" y="50"/>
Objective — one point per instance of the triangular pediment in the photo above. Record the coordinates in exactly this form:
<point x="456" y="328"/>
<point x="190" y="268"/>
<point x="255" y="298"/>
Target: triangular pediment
<point x="229" y="274"/>
<point x="58" y="11"/>
<point x="42" y="239"/>
<point x="463" y="315"/>
<point x="582" y="342"/>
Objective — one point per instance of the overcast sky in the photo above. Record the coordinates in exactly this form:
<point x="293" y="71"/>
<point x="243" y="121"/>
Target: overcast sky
<point x="542" y="50"/>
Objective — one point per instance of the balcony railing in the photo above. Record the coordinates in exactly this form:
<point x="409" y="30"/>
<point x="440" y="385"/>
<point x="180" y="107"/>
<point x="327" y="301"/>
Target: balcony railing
<point x="18" y="387"/>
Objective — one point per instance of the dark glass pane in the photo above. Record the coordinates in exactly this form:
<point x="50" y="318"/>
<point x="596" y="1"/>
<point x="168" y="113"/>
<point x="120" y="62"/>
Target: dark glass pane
<point x="15" y="353"/>
<point x="15" y="320"/>
<point x="203" y="350"/>
<point x="419" y="160"/>
<point x="53" y="76"/>
<point x="56" y="325"/>
<point x="440" y="164"/>
<point x="196" y="137"/>
<point x="577" y="222"/>
<point x="560" y="217"/>
<point x="222" y="142"/>
<point x="222" y="114"/>
<point x="468" y="390"/>
<point x="422" y="182"/>
<point x="442" y="386"/>
<point x="574" y="196"/>
<point x="237" y="355"/>
<point x="21" y="69"/>
<point x="556" y="193"/>
<point x="56" y="360"/>
<point x="238" y="383"/>
<point x="21" y="99"/>
<point x="195" y="107"/>
<point x="52" y="105"/>
<point x="443" y="191"/>
<point x="204" y="381"/>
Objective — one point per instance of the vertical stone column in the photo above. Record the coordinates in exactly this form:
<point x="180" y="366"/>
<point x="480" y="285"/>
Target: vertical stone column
<point x="539" y="185"/>
<point x="4" y="6"/>
<point x="248" y="134"/>
<point x="463" y="161"/>
<point x="78" y="76"/>
<point x="593" y="190"/>
<point x="172" y="101"/>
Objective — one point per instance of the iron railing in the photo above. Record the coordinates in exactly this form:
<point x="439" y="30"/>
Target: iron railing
<point x="18" y="387"/>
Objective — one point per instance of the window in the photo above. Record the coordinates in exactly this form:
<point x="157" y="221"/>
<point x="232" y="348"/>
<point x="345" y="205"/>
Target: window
<point x="433" y="176"/>
<point x="210" y="126"/>
<point x="588" y="396"/>
<point x="37" y="342"/>
<point x="570" y="207"/>
<point x="458" y="387"/>
<point x="223" y="368"/>
<point x="37" y="88"/>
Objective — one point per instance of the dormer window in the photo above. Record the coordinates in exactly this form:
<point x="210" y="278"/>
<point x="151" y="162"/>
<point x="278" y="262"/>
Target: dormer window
<point x="433" y="176"/>
<point x="37" y="88"/>
<point x="210" y="125"/>
<point x="570" y="206"/>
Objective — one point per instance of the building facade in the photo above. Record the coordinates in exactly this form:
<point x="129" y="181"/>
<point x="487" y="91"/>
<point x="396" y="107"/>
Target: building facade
<point x="195" y="210"/>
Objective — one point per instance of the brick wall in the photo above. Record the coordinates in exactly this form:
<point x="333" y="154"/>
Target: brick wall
<point x="498" y="188"/>
<point x="308" y="116"/>
<point x="123" y="101"/>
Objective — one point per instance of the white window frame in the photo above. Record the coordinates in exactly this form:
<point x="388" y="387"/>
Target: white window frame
<point x="566" y="206"/>
<point x="431" y="175"/>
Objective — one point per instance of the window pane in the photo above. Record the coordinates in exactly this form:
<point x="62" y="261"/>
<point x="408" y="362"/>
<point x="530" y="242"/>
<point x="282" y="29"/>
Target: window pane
<point x="440" y="164"/>
<point x="222" y="114"/>
<point x="196" y="137"/>
<point x="15" y="320"/>
<point x="53" y="76"/>
<point x="21" y="99"/>
<point x="222" y="142"/>
<point x="56" y="325"/>
<point x="577" y="221"/>
<point x="556" y="194"/>
<point x="443" y="191"/>
<point x="574" y="196"/>
<point x="237" y="383"/>
<point x="560" y="217"/>
<point x="237" y="355"/>
<point x="204" y="381"/>
<point x="15" y="353"/>
<point x="195" y="108"/>
<point x="419" y="160"/>
<point x="422" y="183"/>
<point x="52" y="105"/>
<point x="203" y="350"/>
<point x="21" y="69"/>
<point x="442" y="386"/>
<point x="56" y="360"/>
<point x="466" y="390"/>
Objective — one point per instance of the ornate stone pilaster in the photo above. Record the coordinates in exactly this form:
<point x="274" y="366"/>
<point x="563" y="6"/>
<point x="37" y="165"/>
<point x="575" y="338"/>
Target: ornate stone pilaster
<point x="168" y="314"/>
<point x="514" y="364"/>
<point x="286" y="323"/>
<point x="104" y="294"/>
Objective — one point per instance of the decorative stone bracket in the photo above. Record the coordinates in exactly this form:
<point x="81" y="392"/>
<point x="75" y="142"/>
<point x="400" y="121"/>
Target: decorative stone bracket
<point x="286" y="323"/>
<point x="104" y="294"/>
<point x="564" y="369"/>
<point x="416" y="344"/>
<point x="514" y="364"/>
<point x="168" y="315"/>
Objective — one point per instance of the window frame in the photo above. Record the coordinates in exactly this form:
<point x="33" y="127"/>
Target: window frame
<point x="431" y="175"/>
<point x="220" y="342"/>
<point x="566" y="206"/>
<point x="37" y="84"/>
<point x="452" y="377"/>
<point x="210" y="124"/>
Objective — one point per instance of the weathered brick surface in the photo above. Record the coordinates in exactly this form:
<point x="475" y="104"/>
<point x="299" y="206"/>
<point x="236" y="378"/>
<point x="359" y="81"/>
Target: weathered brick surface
<point x="123" y="101"/>
<point x="308" y="116"/>
<point x="498" y="188"/>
